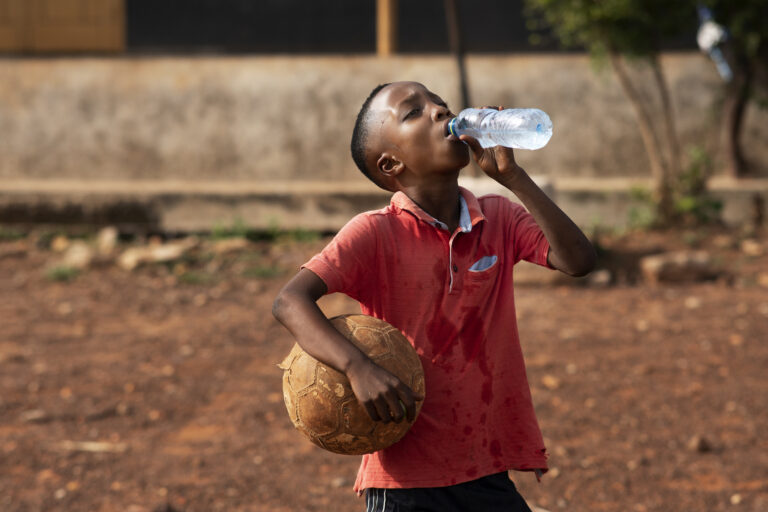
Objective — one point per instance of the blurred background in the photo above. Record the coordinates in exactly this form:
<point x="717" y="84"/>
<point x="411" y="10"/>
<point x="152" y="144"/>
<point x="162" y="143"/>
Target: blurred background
<point x="143" y="98"/>
<point x="166" y="166"/>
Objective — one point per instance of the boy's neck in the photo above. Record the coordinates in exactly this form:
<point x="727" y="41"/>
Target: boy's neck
<point x="440" y="200"/>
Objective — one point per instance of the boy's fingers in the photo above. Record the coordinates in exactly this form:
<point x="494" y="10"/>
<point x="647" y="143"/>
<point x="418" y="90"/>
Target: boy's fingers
<point x="409" y="409"/>
<point x="383" y="410"/>
<point x="371" y="410"/>
<point x="395" y="409"/>
<point x="503" y="155"/>
<point x="475" y="146"/>
<point x="408" y="401"/>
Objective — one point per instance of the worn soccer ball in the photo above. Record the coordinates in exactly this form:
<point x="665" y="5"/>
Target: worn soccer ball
<point x="320" y="400"/>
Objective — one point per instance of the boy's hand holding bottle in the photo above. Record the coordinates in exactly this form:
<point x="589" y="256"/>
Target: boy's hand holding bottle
<point x="498" y="162"/>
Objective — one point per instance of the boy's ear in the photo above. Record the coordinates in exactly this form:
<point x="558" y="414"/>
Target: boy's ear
<point x="388" y="165"/>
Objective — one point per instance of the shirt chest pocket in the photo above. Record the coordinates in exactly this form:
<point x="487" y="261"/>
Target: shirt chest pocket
<point x="481" y="276"/>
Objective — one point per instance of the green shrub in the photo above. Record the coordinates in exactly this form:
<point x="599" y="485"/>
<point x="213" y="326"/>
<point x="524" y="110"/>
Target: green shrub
<point x="10" y="234"/>
<point x="693" y="203"/>
<point x="263" y="272"/>
<point x="62" y="273"/>
<point x="237" y="229"/>
<point x="192" y="277"/>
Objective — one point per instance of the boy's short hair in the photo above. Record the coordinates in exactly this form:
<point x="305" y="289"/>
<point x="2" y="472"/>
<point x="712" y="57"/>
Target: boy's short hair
<point x="359" y="145"/>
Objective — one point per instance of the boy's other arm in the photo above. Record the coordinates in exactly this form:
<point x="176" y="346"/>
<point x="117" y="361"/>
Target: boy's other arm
<point x="569" y="250"/>
<point x="375" y="388"/>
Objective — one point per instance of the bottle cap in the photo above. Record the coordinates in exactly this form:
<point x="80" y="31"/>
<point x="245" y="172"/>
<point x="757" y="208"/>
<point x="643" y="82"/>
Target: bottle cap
<point x="452" y="126"/>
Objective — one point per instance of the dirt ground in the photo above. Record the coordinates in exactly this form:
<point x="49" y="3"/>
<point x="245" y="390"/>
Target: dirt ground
<point x="158" y="390"/>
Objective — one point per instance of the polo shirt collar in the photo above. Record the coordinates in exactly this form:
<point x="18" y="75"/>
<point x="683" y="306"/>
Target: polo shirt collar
<point x="469" y="213"/>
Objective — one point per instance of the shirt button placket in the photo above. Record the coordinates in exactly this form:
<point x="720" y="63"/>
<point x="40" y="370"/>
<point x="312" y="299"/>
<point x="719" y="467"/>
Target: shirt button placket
<point x="453" y="266"/>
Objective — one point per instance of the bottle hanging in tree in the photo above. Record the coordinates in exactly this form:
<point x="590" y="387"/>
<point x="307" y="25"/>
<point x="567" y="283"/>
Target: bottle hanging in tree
<point x="711" y="37"/>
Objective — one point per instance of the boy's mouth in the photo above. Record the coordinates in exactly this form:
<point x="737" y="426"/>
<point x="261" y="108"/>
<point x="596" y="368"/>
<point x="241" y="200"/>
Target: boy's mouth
<point x="447" y="132"/>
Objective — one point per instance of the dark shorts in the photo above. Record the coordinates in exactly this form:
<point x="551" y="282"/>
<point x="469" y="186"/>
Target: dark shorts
<point x="493" y="493"/>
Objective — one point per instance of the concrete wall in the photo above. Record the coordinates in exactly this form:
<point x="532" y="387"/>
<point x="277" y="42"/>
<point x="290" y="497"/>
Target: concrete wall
<point x="185" y="144"/>
<point x="287" y="118"/>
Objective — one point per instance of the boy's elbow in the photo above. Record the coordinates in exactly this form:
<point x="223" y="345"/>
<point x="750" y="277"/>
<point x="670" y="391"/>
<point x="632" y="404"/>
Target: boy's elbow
<point x="582" y="271"/>
<point x="586" y="263"/>
<point x="579" y="263"/>
<point x="279" y="305"/>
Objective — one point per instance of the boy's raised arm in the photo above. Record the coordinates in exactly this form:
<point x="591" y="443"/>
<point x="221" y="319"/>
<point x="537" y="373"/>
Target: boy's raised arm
<point x="569" y="250"/>
<point x="376" y="389"/>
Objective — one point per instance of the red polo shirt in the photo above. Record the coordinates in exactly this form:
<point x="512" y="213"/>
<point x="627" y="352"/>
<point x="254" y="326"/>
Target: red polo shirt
<point x="451" y="295"/>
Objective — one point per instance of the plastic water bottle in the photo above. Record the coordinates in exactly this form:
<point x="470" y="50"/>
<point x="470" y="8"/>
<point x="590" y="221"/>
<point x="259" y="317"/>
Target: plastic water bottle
<point x="523" y="128"/>
<point x="710" y="37"/>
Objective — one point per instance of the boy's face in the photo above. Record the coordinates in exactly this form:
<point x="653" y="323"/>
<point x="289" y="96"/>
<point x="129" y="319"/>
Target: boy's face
<point x="409" y="123"/>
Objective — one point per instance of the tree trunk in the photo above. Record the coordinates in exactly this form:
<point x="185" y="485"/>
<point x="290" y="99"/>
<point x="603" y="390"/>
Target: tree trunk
<point x="734" y="106"/>
<point x="457" y="48"/>
<point x="659" y="171"/>
<point x="670" y="131"/>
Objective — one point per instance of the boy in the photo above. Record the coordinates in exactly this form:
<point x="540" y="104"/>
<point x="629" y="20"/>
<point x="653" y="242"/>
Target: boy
<point x="437" y="264"/>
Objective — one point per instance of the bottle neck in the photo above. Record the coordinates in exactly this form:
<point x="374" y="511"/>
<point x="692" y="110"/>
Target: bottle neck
<point x="452" y="127"/>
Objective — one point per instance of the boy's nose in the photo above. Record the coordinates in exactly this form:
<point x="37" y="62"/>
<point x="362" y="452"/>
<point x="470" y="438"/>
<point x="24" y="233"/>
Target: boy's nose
<point x="440" y="112"/>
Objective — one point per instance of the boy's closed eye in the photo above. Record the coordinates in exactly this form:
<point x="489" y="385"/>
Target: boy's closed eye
<point x="416" y="111"/>
<point x="412" y="113"/>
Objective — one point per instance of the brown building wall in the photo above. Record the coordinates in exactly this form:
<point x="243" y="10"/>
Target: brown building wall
<point x="45" y="26"/>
